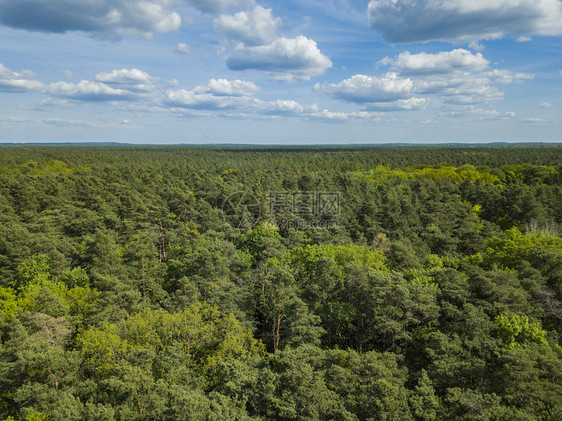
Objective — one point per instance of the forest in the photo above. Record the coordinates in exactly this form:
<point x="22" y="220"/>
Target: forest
<point x="281" y="283"/>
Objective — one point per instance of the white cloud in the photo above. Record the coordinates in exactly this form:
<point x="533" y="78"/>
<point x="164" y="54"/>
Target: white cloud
<point x="258" y="47"/>
<point x="477" y="113"/>
<point x="237" y="99"/>
<point x="389" y="92"/>
<point x="506" y="77"/>
<point x="117" y="85"/>
<point x="290" y="108"/>
<point x="18" y="82"/>
<point x="450" y="79"/>
<point x="131" y="80"/>
<point x="377" y="90"/>
<point x="86" y="90"/>
<point x="453" y="20"/>
<point x="254" y="27"/>
<point x="229" y="98"/>
<point x="459" y="88"/>
<point x="223" y="87"/>
<point x="369" y="89"/>
<point x="107" y="18"/>
<point x="218" y="94"/>
<point x="122" y="76"/>
<point x="286" y="59"/>
<point x="330" y="115"/>
<point x="545" y="105"/>
<point x="182" y="48"/>
<point x="442" y="62"/>
<point x="409" y="104"/>
<point x="493" y="114"/>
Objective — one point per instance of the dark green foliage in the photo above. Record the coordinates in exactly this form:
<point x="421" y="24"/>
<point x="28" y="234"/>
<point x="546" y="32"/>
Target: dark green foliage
<point x="435" y="293"/>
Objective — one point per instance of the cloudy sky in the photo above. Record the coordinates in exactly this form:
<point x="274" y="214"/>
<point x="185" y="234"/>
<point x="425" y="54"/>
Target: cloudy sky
<point x="287" y="72"/>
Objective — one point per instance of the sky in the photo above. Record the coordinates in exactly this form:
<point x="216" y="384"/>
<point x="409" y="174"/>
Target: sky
<point x="285" y="72"/>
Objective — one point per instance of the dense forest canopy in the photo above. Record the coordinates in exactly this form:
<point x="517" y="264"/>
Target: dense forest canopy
<point x="434" y="292"/>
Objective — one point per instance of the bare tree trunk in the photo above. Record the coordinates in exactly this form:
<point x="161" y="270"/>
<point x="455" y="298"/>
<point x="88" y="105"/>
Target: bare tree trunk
<point x="276" y="328"/>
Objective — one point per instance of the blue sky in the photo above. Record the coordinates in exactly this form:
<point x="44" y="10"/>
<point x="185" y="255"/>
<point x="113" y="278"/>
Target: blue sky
<point x="290" y="72"/>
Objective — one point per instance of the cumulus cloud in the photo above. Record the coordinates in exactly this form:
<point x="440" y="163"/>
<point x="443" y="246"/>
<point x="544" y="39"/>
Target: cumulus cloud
<point x="545" y="105"/>
<point x="228" y="98"/>
<point x="457" y="76"/>
<point x="86" y="90"/>
<point x="410" y="104"/>
<point x="23" y="81"/>
<point x="231" y="98"/>
<point x="105" y="18"/>
<point x="286" y="59"/>
<point x="108" y="18"/>
<point x="461" y="88"/>
<point x="218" y="94"/>
<point x="259" y="47"/>
<point x="331" y="115"/>
<point x="117" y="85"/>
<point x="453" y="20"/>
<point x="442" y="62"/>
<point x="369" y="89"/>
<point x="131" y="80"/>
<point x="290" y="108"/>
<point x="478" y="113"/>
<point x="124" y="84"/>
<point x="224" y="87"/>
<point x="506" y="77"/>
<point x="389" y="92"/>
<point x="448" y="80"/>
<point x="254" y="27"/>
<point x="236" y="98"/>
